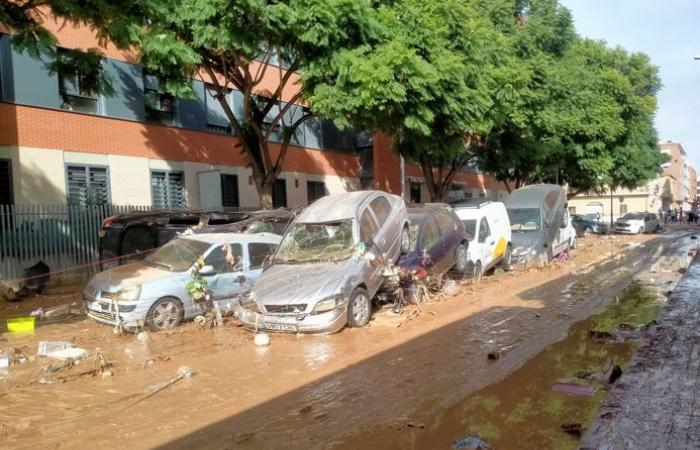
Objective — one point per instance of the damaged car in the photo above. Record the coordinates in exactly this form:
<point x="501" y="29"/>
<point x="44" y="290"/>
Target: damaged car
<point x="439" y="242"/>
<point x="327" y="268"/>
<point x="152" y="293"/>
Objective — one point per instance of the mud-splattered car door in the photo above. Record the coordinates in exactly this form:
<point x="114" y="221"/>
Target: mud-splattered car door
<point x="371" y="239"/>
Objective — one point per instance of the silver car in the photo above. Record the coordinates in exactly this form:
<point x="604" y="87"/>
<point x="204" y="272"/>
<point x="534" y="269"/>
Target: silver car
<point x="151" y="293"/>
<point x="637" y="223"/>
<point x="327" y="268"/>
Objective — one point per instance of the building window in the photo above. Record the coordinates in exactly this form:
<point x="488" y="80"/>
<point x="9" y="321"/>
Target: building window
<point x="415" y="192"/>
<point x="217" y="120"/>
<point x="87" y="185"/>
<point x="77" y="85"/>
<point x="168" y="189"/>
<point x="279" y="193"/>
<point x="623" y="210"/>
<point x="6" y="195"/>
<point x="229" y="191"/>
<point x="315" y="190"/>
<point x="160" y="106"/>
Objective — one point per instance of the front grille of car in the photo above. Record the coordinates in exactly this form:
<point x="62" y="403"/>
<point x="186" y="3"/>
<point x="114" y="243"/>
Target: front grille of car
<point x="101" y="315"/>
<point x="286" y="309"/>
<point x="108" y="295"/>
<point x="622" y="225"/>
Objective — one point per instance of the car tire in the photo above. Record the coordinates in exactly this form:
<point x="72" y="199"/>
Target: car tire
<point x="641" y="230"/>
<point x="461" y="258"/>
<point x="164" y="314"/>
<point x="405" y="240"/>
<point x="359" y="308"/>
<point x="478" y="272"/>
<point x="507" y="261"/>
<point x="572" y="243"/>
<point x="587" y="232"/>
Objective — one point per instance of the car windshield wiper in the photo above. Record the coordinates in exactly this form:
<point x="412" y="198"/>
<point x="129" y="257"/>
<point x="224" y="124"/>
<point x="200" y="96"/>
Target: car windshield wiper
<point x="161" y="264"/>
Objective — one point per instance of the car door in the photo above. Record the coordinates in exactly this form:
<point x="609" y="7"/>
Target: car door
<point x="430" y="246"/>
<point x="450" y="237"/>
<point x="227" y="279"/>
<point x="368" y="231"/>
<point x="487" y="242"/>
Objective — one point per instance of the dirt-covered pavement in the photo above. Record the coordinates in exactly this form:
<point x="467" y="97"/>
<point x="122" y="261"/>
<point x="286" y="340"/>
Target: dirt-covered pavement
<point x="304" y="391"/>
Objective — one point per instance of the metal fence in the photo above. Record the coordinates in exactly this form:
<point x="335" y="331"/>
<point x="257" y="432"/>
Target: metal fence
<point x="65" y="237"/>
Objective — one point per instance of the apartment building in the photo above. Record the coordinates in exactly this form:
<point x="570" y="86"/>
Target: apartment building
<point x="60" y="143"/>
<point x="676" y="186"/>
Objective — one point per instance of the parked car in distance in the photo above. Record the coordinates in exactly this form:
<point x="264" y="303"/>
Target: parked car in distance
<point x="438" y="242"/>
<point x="327" y="268"/>
<point x="151" y="293"/>
<point x="537" y="216"/>
<point x="128" y="237"/>
<point x="488" y="230"/>
<point x="588" y="224"/>
<point x="637" y="223"/>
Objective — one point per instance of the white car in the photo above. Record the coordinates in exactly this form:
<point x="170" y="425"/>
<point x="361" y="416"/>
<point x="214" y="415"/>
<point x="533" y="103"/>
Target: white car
<point x="637" y="223"/>
<point x="566" y="237"/>
<point x="488" y="228"/>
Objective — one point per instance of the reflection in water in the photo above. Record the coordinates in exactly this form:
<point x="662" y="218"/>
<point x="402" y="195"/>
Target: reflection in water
<point x="523" y="410"/>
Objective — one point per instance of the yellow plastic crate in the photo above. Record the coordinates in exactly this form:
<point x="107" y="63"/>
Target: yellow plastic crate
<point x="21" y="324"/>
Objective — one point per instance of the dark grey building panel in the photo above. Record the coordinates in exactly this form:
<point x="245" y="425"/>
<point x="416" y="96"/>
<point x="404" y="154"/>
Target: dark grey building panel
<point x="192" y="112"/>
<point x="127" y="81"/>
<point x="32" y="83"/>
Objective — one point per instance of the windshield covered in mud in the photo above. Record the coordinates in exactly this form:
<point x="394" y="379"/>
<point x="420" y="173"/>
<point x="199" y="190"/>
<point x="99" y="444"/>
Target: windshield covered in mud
<point x="178" y="255"/>
<point x="470" y="228"/>
<point x="524" y="219"/>
<point x="316" y="242"/>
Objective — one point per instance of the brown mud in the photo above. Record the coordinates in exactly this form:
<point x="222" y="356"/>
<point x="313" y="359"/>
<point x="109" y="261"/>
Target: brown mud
<point x="306" y="391"/>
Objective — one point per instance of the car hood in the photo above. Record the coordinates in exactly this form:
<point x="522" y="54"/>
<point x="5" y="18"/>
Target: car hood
<point x="120" y="277"/>
<point x="286" y="284"/>
<point x="526" y="241"/>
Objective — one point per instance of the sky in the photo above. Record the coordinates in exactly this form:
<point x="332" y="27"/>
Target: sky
<point x="669" y="32"/>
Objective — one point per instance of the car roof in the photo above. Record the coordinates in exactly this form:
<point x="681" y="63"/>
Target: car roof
<point x="225" y="238"/>
<point x="530" y="196"/>
<point x="336" y="207"/>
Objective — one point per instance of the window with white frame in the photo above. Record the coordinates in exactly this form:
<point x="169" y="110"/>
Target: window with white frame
<point x="168" y="189"/>
<point x="160" y="105"/>
<point x="77" y="85"/>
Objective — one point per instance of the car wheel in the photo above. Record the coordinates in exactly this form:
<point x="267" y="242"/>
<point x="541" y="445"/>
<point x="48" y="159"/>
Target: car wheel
<point x="461" y="258"/>
<point x="572" y="243"/>
<point x="478" y="272"/>
<point x="359" y="308"/>
<point x="405" y="241"/>
<point x="507" y="261"/>
<point x="164" y="314"/>
<point x="641" y="230"/>
<point x="587" y="232"/>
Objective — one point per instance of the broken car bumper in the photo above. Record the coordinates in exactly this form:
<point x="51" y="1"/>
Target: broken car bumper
<point x="327" y="322"/>
<point x="130" y="315"/>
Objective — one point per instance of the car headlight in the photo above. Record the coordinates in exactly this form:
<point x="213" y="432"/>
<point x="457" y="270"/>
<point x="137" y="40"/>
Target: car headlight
<point x="328" y="304"/>
<point x="130" y="293"/>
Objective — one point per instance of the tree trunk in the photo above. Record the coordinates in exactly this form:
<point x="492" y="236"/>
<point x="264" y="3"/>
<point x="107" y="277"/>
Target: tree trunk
<point x="507" y="185"/>
<point x="265" y="192"/>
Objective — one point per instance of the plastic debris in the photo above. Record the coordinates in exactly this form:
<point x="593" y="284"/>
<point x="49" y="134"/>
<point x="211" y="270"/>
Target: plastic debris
<point x="143" y="337"/>
<point x="262" y="339"/>
<point x="200" y="321"/>
<point x="182" y="373"/>
<point x="68" y="354"/>
<point x="46" y="347"/>
<point x="573" y="388"/>
<point x="472" y="441"/>
<point x="4" y="361"/>
<point x="450" y="288"/>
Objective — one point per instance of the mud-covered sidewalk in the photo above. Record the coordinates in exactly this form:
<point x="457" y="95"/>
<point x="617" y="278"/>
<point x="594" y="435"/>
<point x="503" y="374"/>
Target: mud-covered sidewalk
<point x="656" y="403"/>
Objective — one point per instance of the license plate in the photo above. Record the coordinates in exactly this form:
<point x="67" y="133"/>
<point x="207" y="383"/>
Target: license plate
<point x="280" y="326"/>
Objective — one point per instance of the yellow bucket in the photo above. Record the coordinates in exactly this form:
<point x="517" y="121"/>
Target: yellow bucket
<point x="21" y="324"/>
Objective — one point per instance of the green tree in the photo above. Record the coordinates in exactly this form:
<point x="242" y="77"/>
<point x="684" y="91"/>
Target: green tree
<point x="429" y="81"/>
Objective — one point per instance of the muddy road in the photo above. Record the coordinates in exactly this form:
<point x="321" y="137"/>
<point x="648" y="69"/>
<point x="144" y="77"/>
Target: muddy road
<point x="345" y="390"/>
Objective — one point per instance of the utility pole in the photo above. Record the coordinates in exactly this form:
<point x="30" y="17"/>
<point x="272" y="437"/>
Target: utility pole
<point x="612" y="224"/>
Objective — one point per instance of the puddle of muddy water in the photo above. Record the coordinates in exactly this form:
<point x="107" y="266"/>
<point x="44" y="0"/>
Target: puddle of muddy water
<point x="523" y="410"/>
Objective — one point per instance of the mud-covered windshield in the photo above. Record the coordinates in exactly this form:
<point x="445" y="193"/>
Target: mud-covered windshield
<point x="316" y="242"/>
<point x="470" y="228"/>
<point x="524" y="219"/>
<point x="178" y="255"/>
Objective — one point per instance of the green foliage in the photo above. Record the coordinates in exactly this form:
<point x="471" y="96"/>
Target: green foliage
<point x="197" y="286"/>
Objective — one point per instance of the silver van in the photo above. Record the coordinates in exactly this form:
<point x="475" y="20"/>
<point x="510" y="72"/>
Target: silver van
<point x="539" y="223"/>
<point x="328" y="266"/>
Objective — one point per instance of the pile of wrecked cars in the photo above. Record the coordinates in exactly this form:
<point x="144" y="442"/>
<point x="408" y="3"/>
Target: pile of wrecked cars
<point x="319" y="269"/>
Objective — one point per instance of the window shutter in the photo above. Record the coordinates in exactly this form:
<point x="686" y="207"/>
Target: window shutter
<point x="168" y="190"/>
<point x="87" y="185"/>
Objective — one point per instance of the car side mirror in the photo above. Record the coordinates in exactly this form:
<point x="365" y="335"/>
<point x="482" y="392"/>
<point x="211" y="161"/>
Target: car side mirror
<point x="207" y="270"/>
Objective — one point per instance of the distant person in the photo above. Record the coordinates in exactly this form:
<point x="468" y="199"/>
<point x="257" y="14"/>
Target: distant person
<point x="597" y="216"/>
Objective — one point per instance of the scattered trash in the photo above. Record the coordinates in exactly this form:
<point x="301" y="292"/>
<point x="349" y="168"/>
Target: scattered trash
<point x="57" y="313"/>
<point x="261" y="339"/>
<point x="493" y="355"/>
<point x="415" y="424"/>
<point x="21" y="325"/>
<point x="4" y="361"/>
<point x="600" y="335"/>
<point x="46" y="347"/>
<point x="573" y="387"/>
<point x="106" y="374"/>
<point x="45" y="381"/>
<point x="143" y="337"/>
<point x="200" y="321"/>
<point x="472" y="441"/>
<point x="450" y="288"/>
<point x="67" y="354"/>
<point x="573" y="428"/>
<point x="182" y="373"/>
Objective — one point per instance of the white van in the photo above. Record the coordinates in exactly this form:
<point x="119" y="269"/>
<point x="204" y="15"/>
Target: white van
<point x="488" y="228"/>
